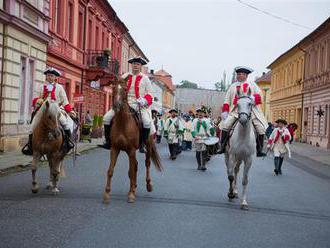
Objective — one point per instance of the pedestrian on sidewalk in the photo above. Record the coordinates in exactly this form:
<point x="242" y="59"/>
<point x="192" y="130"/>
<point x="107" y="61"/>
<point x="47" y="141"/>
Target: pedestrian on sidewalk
<point x="279" y="143"/>
<point x="292" y="127"/>
<point x="172" y="129"/>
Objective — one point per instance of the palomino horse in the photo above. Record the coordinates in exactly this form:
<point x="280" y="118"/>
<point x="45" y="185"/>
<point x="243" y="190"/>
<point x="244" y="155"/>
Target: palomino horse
<point x="242" y="147"/>
<point x="125" y="136"/>
<point x="47" y="140"/>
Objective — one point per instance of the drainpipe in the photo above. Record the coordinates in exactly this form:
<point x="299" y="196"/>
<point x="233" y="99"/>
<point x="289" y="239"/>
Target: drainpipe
<point x="2" y="68"/>
<point x="302" y="96"/>
<point x="84" y="57"/>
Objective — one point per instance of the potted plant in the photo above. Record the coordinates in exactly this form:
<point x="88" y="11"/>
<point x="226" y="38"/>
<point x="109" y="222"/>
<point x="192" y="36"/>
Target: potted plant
<point x="97" y="127"/>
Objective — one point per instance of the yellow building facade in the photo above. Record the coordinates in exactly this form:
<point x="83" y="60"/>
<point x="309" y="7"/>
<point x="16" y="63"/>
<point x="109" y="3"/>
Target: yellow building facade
<point x="287" y="73"/>
<point x="264" y="83"/>
<point x="23" y="45"/>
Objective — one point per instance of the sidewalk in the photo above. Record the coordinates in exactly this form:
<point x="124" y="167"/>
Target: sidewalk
<point x="317" y="154"/>
<point x="17" y="159"/>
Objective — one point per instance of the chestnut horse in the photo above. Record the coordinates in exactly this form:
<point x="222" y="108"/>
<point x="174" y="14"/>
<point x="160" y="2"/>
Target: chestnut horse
<point x="125" y="136"/>
<point x="47" y="140"/>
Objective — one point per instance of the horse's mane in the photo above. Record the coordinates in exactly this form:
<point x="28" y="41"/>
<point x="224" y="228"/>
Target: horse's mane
<point x="53" y="109"/>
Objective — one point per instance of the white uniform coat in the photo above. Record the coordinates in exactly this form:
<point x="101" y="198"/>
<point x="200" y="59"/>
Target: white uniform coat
<point x="55" y="92"/>
<point x="187" y="135"/>
<point x="278" y="142"/>
<point x="172" y="129"/>
<point x="139" y="86"/>
<point x="230" y="102"/>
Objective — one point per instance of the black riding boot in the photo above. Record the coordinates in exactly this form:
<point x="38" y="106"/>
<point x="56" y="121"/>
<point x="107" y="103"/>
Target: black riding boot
<point x="68" y="144"/>
<point x="145" y="136"/>
<point x="107" y="144"/>
<point x="260" y="145"/>
<point x="280" y="165"/>
<point x="276" y="164"/>
<point x="223" y="142"/>
<point x="27" y="149"/>
<point x="199" y="158"/>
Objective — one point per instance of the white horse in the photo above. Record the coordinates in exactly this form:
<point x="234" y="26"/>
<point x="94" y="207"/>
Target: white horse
<point x="242" y="147"/>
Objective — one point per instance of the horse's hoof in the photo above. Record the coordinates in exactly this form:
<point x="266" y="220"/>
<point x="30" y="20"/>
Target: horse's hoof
<point x="149" y="187"/>
<point x="231" y="195"/>
<point x="244" y="207"/>
<point x="35" y="190"/>
<point x="131" y="198"/>
<point x="55" y="191"/>
<point x="106" y="198"/>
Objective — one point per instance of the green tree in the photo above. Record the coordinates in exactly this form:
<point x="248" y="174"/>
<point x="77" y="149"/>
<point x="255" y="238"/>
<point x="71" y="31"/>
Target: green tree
<point x="222" y="85"/>
<point x="187" y="84"/>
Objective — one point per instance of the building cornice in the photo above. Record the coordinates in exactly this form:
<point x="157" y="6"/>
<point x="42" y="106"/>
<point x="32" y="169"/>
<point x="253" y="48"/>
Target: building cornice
<point x="34" y="9"/>
<point x="24" y="27"/>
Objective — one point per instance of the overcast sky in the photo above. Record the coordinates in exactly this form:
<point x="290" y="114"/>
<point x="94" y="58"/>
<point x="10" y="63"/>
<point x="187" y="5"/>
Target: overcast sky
<point x="197" y="40"/>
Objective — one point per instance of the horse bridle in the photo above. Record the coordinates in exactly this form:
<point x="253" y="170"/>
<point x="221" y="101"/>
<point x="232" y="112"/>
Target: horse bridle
<point x="244" y="113"/>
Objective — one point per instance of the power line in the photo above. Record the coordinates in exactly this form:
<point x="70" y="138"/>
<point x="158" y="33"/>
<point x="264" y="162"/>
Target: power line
<point x="272" y="15"/>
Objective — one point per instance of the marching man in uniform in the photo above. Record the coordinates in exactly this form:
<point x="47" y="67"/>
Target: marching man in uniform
<point x="139" y="98"/>
<point x="53" y="91"/>
<point x="160" y="128"/>
<point x="229" y="113"/>
<point x="200" y="131"/>
<point x="173" y="128"/>
<point x="279" y="142"/>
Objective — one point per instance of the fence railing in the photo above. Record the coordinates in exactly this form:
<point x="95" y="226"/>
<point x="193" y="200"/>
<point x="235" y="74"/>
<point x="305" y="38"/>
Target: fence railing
<point x="100" y="59"/>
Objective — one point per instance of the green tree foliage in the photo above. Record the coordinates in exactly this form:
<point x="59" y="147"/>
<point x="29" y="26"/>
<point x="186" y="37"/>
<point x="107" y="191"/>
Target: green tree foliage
<point x="187" y="84"/>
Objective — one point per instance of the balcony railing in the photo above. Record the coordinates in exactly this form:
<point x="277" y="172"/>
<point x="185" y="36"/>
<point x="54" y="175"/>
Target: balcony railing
<point x="101" y="60"/>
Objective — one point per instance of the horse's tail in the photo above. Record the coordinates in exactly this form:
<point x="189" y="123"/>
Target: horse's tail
<point x="155" y="156"/>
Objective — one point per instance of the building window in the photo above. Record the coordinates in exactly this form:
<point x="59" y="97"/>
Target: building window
<point x="80" y="29"/>
<point x="96" y="37"/>
<point x="70" y="21"/>
<point x="103" y="40"/>
<point x="26" y="89"/>
<point x="57" y="17"/>
<point x="90" y="29"/>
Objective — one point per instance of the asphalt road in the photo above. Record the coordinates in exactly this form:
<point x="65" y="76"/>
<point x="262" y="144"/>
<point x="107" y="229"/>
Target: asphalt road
<point x="188" y="208"/>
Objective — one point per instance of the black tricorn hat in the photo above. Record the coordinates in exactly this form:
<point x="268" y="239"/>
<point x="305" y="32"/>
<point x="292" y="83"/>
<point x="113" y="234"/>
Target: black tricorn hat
<point x="173" y="110"/>
<point x="52" y="70"/>
<point x="139" y="59"/>
<point x="243" y="69"/>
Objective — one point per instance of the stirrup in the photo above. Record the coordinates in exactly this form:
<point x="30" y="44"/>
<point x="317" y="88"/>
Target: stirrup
<point x="26" y="150"/>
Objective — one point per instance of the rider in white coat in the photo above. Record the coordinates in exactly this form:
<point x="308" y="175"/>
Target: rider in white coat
<point x="229" y="110"/>
<point x="139" y="96"/>
<point x="53" y="91"/>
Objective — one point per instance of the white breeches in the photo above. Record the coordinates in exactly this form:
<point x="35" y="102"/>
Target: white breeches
<point x="227" y="124"/>
<point x="145" y="114"/>
<point x="66" y="122"/>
